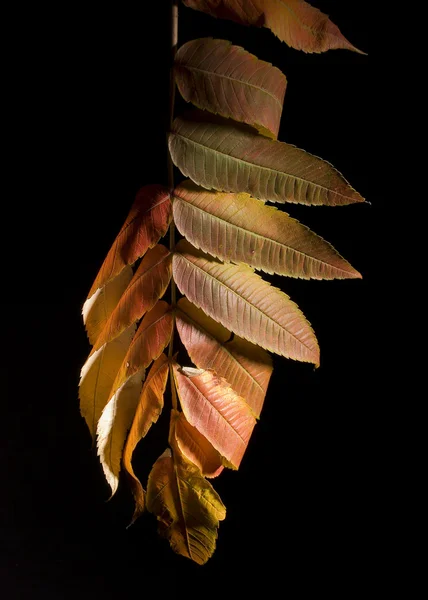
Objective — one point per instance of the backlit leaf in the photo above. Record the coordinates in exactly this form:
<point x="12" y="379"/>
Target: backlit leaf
<point x="295" y="22"/>
<point x="148" y="410"/>
<point x="186" y="505"/>
<point x="98" y="375"/>
<point x="195" y="447"/>
<point x="216" y="411"/>
<point x="243" y="302"/>
<point x="148" y="285"/>
<point x="227" y="156"/>
<point x="98" y="308"/>
<point x="246" y="367"/>
<point x="236" y="227"/>
<point x="113" y="425"/>
<point x="225" y="79"/>
<point x="147" y="221"/>
<point x="151" y="338"/>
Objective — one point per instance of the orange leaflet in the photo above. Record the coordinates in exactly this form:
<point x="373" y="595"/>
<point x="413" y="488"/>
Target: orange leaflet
<point x="153" y="335"/>
<point x="216" y="411"/>
<point x="147" y="286"/>
<point x="151" y="338"/>
<point x="147" y="221"/>
<point x="194" y="446"/>
<point x="148" y="411"/>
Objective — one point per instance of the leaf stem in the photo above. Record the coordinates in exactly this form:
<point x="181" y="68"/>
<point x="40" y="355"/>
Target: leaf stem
<point x="174" y="42"/>
<point x="173" y="390"/>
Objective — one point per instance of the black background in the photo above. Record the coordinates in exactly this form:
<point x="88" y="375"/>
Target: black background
<point x="92" y="117"/>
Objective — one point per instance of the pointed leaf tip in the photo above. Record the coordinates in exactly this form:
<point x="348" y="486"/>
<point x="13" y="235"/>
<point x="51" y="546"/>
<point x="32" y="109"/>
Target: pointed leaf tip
<point x="147" y="221"/>
<point x="294" y="22"/>
<point x="221" y="154"/>
<point x="239" y="228"/>
<point x="149" y="408"/>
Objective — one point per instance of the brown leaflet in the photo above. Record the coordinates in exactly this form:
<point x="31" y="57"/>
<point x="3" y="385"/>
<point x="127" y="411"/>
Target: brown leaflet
<point x="221" y="154"/>
<point x="148" y="410"/>
<point x="246" y="367"/>
<point x="225" y="79"/>
<point x="194" y="446"/>
<point x="216" y="411"/>
<point x="303" y="26"/>
<point x="186" y="505"/>
<point x="152" y="337"/>
<point x="243" y="302"/>
<point x="239" y="228"/>
<point x="147" y="221"/>
<point x="147" y="286"/>
<point x="294" y="22"/>
<point x="246" y="12"/>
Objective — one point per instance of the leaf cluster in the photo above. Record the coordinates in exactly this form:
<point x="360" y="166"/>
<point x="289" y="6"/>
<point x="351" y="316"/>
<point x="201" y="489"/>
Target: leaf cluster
<point x="228" y="317"/>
